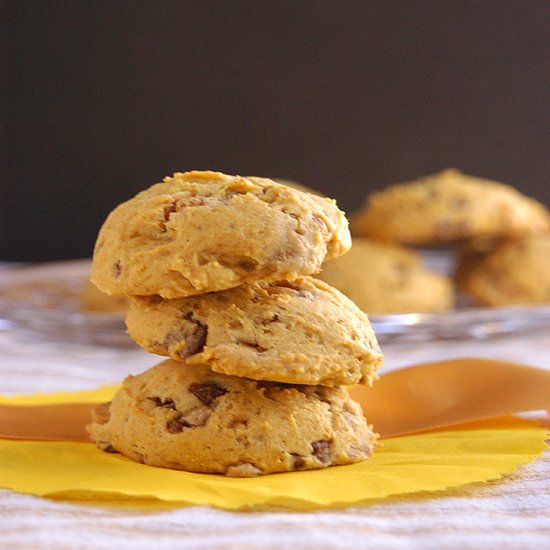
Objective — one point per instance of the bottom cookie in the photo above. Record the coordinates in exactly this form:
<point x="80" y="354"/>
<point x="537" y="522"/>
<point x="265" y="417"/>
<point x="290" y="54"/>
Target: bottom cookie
<point x="187" y="417"/>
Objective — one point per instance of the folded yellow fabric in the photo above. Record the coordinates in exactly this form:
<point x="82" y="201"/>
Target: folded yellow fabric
<point x="443" y="393"/>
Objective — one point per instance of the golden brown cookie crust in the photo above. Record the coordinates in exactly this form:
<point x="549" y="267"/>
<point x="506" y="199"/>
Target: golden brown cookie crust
<point x="446" y="207"/>
<point x="300" y="332"/>
<point x="187" y="417"/>
<point x="516" y="272"/>
<point x="201" y="232"/>
<point x="382" y="278"/>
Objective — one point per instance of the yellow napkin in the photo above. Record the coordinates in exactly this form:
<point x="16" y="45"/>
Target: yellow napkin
<point x="417" y="398"/>
<point x="426" y="462"/>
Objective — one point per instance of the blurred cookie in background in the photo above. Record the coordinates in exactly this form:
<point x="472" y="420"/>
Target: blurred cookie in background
<point x="448" y="207"/>
<point x="382" y="278"/>
<point x="468" y="254"/>
<point x="92" y="299"/>
<point x="515" y="272"/>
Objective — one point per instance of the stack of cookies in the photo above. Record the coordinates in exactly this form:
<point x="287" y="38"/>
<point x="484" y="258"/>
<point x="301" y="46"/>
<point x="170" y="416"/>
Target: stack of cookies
<point x="216" y="269"/>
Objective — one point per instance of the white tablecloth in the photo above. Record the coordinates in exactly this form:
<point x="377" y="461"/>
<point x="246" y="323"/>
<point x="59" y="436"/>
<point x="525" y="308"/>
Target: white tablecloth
<point x="511" y="513"/>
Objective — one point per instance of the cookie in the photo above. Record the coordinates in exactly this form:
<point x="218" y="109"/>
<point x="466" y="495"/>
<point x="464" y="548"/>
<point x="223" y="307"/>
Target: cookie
<point x="299" y="332"/>
<point x="387" y="279"/>
<point x="516" y="272"/>
<point x="186" y="417"/>
<point x="201" y="232"/>
<point x="446" y="207"/>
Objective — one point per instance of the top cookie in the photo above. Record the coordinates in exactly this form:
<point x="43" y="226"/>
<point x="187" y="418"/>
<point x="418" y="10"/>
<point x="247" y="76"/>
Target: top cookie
<point x="201" y="232"/>
<point x="449" y="206"/>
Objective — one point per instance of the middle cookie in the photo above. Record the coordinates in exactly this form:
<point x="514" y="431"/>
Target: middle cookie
<point x="299" y="332"/>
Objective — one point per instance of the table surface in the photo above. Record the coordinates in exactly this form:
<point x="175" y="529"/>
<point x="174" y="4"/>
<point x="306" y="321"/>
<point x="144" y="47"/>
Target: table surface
<point x="510" y="513"/>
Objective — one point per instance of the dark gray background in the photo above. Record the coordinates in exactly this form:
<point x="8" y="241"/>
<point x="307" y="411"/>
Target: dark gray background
<point x="102" y="99"/>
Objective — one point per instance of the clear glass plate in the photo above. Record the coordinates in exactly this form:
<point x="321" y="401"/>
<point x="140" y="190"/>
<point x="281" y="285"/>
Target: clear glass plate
<point x="471" y="322"/>
<point x="466" y="321"/>
<point x="47" y="298"/>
